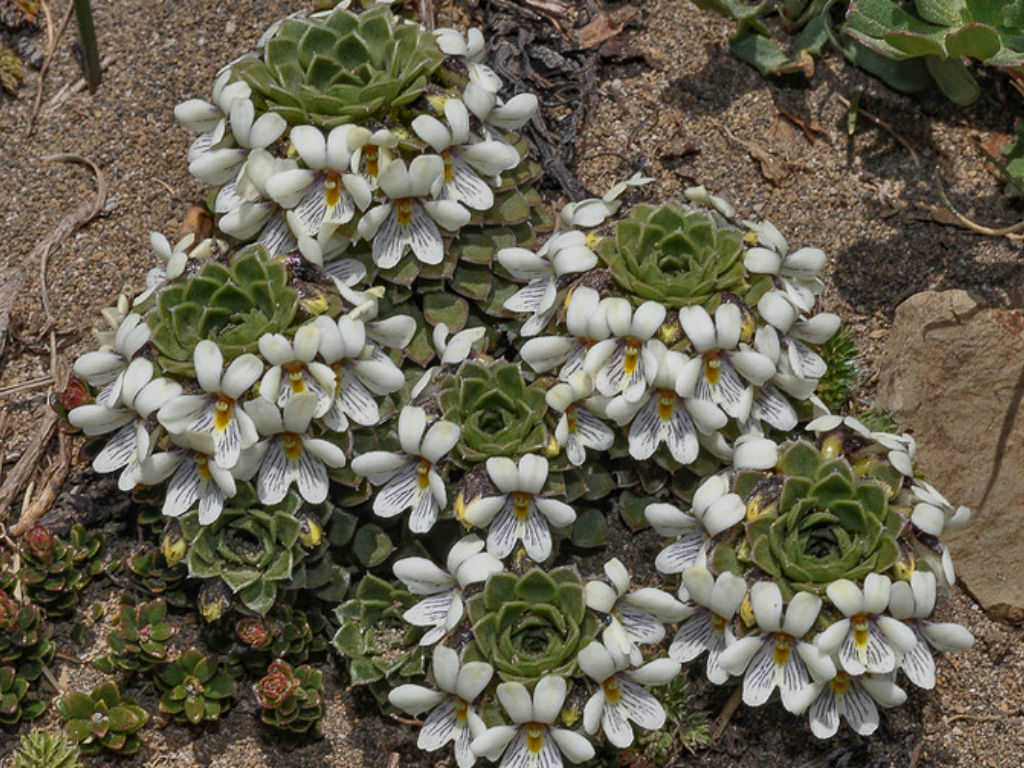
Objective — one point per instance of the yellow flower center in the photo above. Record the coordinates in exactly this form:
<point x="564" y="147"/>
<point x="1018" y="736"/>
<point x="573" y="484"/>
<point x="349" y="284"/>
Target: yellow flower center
<point x="403" y="209"/>
<point x="535" y="736"/>
<point x="202" y="464"/>
<point x="666" y="403"/>
<point x="332" y="189"/>
<point x="841" y="683"/>
<point x="718" y="623"/>
<point x="612" y="692"/>
<point x="570" y="418"/>
<point x="632" y="355"/>
<point x="222" y="417"/>
<point x="461" y="708"/>
<point x="295" y="378"/>
<point x="782" y="644"/>
<point x="449" y="166"/>
<point x="292" y="445"/>
<point x="423" y="475"/>
<point x="712" y="366"/>
<point x="370" y="153"/>
<point x="521" y="504"/>
<point x="860" y="635"/>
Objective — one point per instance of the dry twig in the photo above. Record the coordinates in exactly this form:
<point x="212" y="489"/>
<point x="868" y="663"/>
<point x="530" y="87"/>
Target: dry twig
<point x="14" y="389"/>
<point x="726" y="714"/>
<point x="882" y="124"/>
<point x="51" y="48"/>
<point x="16" y="479"/>
<point x="1013" y="229"/>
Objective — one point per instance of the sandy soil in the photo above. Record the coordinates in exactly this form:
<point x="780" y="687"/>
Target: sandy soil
<point x="695" y="116"/>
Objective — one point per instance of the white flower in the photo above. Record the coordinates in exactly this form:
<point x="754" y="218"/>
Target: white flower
<point x="587" y="322"/>
<point x="244" y="202"/>
<point x="714" y="603"/>
<point x="443" y="609"/>
<point x="594" y="210"/>
<point x="627" y="362"/>
<point x="779" y="656"/>
<point x="453" y="43"/>
<point x="854" y="698"/>
<point x="216" y="412"/>
<point x="452" y="714"/>
<point x="449" y="351"/>
<point x="294" y="359"/>
<point x="481" y="98"/>
<point x="360" y="370"/>
<point x="463" y="162"/>
<point x="175" y="259"/>
<point x="636" y="617"/>
<point x="912" y="603"/>
<point x="410" y="478"/>
<point x="777" y="310"/>
<point x="288" y="454"/>
<point x="519" y="513"/>
<point x="208" y="159"/>
<point x="140" y="396"/>
<point x="562" y="254"/>
<point x="577" y="428"/>
<point x="865" y="640"/>
<point x="796" y="272"/>
<point x="372" y="154"/>
<point x="714" y="510"/>
<point x="105" y="368"/>
<point x="701" y="196"/>
<point x="715" y="373"/>
<point x="323" y="195"/>
<point x="933" y="513"/>
<point x="620" y="696"/>
<point x="533" y="741"/>
<point x="408" y="219"/>
<point x="197" y="477"/>
<point x="754" y="452"/>
<point x="662" y="416"/>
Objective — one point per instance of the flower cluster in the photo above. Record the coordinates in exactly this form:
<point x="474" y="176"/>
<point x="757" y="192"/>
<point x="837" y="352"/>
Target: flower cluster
<point x="375" y="214"/>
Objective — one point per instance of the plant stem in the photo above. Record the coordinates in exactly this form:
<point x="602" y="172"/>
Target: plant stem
<point x="87" y="36"/>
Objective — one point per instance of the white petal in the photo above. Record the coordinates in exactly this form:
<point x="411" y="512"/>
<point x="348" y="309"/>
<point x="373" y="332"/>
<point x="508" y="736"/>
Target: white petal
<point x="548" y="698"/>
<point x="596" y="662"/>
<point x="766" y="599"/>
<point x="801" y="613"/>
<point x="517" y="702"/>
<point x="415" y="699"/>
<point x="574" y="746"/>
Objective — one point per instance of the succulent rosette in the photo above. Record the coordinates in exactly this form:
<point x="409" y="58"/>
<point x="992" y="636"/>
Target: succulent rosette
<point x="291" y="699"/>
<point x="530" y="626"/>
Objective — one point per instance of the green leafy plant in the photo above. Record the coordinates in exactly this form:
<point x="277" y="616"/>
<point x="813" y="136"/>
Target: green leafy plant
<point x="25" y="642"/>
<point x="13" y="705"/>
<point x="291" y="700"/>
<point x="139" y="643"/>
<point x="45" y="749"/>
<point x="195" y="688"/>
<point x="103" y="719"/>
<point x="54" y="571"/>
<point x="531" y="626"/>
<point x="686" y="726"/>
<point x="840" y="355"/>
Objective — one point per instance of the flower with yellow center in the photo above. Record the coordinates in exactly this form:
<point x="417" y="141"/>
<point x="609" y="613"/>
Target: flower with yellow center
<point x="778" y="656"/>
<point x="216" y="413"/>
<point x="410" y="478"/>
<point x="442" y="609"/>
<point x="712" y="603"/>
<point x="288" y="453"/>
<point x="578" y="428"/>
<point x="105" y="367"/>
<point x="533" y="741"/>
<point x="855" y="698"/>
<point x="620" y="696"/>
<point x="634" y="618"/>
<point x="464" y="162"/>
<point x="453" y="716"/>
<point x="564" y="253"/>
<point x="586" y="321"/>
<point x="865" y="640"/>
<point x="626" y="363"/>
<point x="722" y="371"/>
<point x="410" y="217"/>
<point x="293" y="371"/>
<point x="196" y="477"/>
<point x="519" y="512"/>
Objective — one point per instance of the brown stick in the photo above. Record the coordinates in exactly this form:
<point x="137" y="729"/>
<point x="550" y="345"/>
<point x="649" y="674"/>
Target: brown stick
<point x="1013" y="229"/>
<point x="19" y="476"/>
<point x="51" y="49"/>
<point x="426" y="10"/>
<point x="726" y="714"/>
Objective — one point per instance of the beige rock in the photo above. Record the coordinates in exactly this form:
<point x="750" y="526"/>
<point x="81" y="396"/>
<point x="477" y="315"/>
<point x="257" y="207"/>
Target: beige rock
<point x="953" y="372"/>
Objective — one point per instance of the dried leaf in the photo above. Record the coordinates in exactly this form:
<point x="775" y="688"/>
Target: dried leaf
<point x="604" y="26"/>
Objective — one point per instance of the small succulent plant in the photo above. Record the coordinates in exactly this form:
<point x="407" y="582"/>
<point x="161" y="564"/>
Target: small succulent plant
<point x="13" y="705"/>
<point x="377" y="644"/>
<point x="286" y="633"/>
<point x="530" y="626"/>
<point x="151" y="572"/>
<point x="253" y="549"/>
<point x="231" y="305"/>
<point x="195" y="688"/>
<point x="103" y="719"/>
<point x="290" y="699"/>
<point x="139" y="642"/>
<point x="25" y="641"/>
<point x="676" y="256"/>
<point x="500" y="414"/>
<point x="54" y="571"/>
<point x="45" y="749"/>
